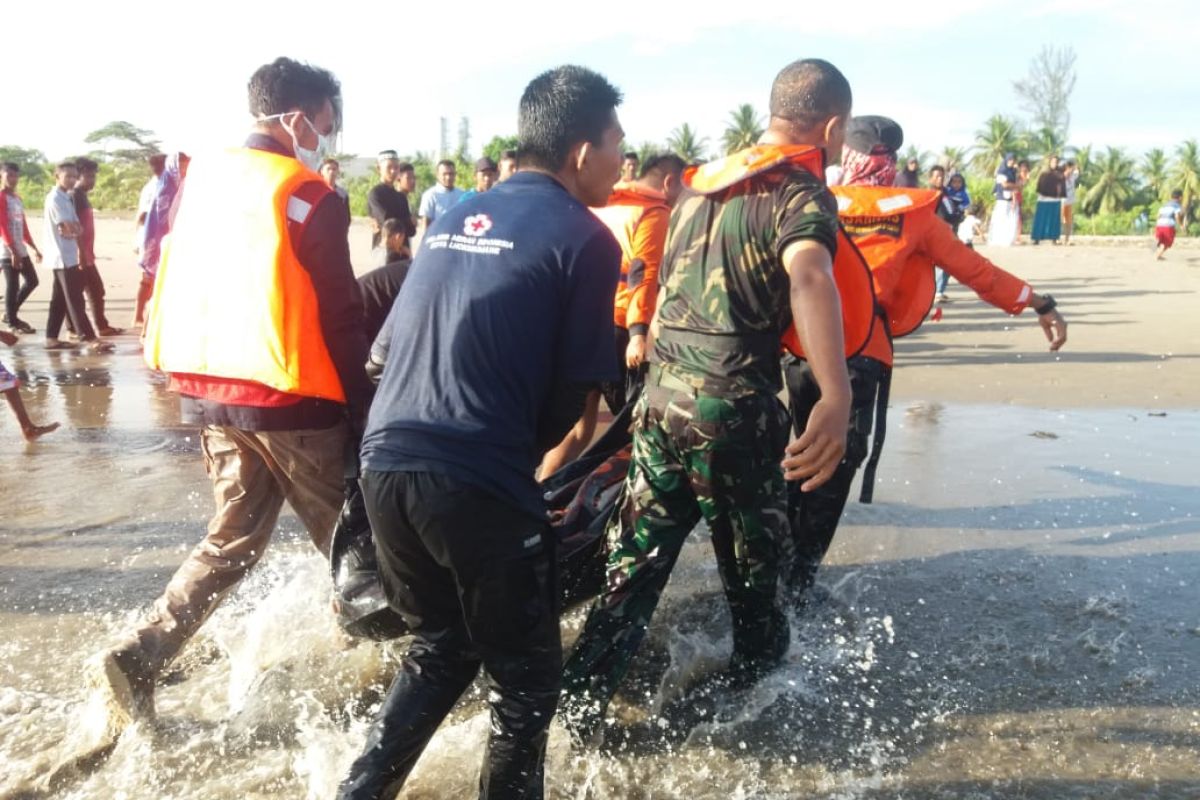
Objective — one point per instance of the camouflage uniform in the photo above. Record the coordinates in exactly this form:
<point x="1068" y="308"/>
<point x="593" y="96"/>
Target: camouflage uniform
<point x="709" y="430"/>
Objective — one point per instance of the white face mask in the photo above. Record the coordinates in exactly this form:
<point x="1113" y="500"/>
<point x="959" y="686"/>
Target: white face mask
<point x="309" y="158"/>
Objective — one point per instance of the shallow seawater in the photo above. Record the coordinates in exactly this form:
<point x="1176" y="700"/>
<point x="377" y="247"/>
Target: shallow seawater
<point x="1014" y="616"/>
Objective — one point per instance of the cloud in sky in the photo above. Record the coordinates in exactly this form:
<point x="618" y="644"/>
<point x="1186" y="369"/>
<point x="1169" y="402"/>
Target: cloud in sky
<point x="942" y="68"/>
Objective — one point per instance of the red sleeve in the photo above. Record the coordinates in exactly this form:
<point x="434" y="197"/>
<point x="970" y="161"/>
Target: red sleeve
<point x="648" y="242"/>
<point x="25" y="226"/>
<point x="5" y="233"/>
<point x="1004" y="290"/>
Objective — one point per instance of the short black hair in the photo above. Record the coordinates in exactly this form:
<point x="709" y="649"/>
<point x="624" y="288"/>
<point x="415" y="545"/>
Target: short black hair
<point x="63" y="166"/>
<point x="445" y="162"/>
<point x="809" y="91"/>
<point x="405" y="166"/>
<point x="559" y="109"/>
<point x="1024" y="162"/>
<point x="936" y="168"/>
<point x="509" y="154"/>
<point x="286" y="85"/>
<point x="85" y="164"/>
<point x="11" y="166"/>
<point x="663" y="163"/>
<point x="391" y="226"/>
<point x="329" y="161"/>
<point x="1177" y="194"/>
<point x="631" y="156"/>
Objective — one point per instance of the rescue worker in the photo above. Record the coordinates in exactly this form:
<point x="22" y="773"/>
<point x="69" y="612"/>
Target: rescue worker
<point x="637" y="213"/>
<point x="260" y="328"/>
<point x="749" y="253"/>
<point x="899" y="233"/>
<point x="513" y="289"/>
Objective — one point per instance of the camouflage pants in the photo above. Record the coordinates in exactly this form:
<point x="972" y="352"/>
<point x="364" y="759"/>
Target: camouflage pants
<point x="694" y="455"/>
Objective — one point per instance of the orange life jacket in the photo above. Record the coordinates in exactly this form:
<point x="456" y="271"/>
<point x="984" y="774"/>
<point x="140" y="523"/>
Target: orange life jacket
<point x="850" y="271"/>
<point x="231" y="299"/>
<point x="638" y="218"/>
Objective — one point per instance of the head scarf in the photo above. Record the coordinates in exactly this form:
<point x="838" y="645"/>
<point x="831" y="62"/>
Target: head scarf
<point x="158" y="219"/>
<point x="877" y="168"/>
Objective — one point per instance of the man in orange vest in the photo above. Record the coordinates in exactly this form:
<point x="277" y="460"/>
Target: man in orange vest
<point x="637" y="213"/>
<point x="898" y="232"/>
<point x="260" y="330"/>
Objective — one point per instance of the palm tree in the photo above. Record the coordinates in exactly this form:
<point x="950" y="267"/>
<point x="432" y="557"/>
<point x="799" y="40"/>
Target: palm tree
<point x="1153" y="170"/>
<point x="684" y="143"/>
<point x="1045" y="143"/>
<point x="1114" y="183"/>
<point x="745" y="127"/>
<point x="953" y="158"/>
<point x="1185" y="175"/>
<point x="998" y="136"/>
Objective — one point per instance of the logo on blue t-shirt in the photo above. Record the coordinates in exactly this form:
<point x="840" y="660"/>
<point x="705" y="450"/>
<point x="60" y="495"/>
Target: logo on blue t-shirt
<point x="477" y="225"/>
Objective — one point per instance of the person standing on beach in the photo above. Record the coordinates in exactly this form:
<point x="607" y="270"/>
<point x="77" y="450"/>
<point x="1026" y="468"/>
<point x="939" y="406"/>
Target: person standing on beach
<point x="1070" y="181"/>
<point x="630" y="163"/>
<point x="513" y="292"/>
<point x="899" y="234"/>
<point x="508" y="166"/>
<point x="20" y="276"/>
<point x="385" y="201"/>
<point x="910" y="176"/>
<point x="950" y="209"/>
<point x="1170" y="219"/>
<point x="749" y="256"/>
<point x="486" y="173"/>
<point x="439" y="198"/>
<point x="60" y="235"/>
<point x="260" y="330"/>
<point x="1051" y="189"/>
<point x="93" y="284"/>
<point x="1006" y="216"/>
<point x="330" y="171"/>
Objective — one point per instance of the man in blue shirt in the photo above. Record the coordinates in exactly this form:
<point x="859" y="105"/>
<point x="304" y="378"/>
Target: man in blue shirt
<point x="439" y="198"/>
<point x="504" y="325"/>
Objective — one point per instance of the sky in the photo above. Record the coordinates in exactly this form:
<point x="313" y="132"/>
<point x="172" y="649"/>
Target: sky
<point x="939" y="68"/>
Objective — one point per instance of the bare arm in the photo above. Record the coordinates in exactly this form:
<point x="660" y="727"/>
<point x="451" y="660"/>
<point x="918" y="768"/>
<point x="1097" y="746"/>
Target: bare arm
<point x="817" y="315"/>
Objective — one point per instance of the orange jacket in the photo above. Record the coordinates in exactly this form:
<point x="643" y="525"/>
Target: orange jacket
<point x="850" y="271"/>
<point x="231" y="300"/>
<point x="900" y="235"/>
<point x="638" y="217"/>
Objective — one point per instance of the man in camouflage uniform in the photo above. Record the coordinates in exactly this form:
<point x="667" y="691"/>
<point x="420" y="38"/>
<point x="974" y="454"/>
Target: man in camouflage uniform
<point x="748" y="253"/>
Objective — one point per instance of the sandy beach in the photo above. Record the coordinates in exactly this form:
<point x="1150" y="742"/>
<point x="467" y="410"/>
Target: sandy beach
<point x="1014" y="616"/>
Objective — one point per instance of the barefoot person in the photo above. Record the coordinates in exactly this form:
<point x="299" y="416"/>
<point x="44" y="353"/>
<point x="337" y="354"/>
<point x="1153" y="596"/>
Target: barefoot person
<point x="93" y="283"/>
<point x="60" y="236"/>
<point x="10" y="387"/>
<point x="260" y="329"/>
<point x="1170" y="219"/>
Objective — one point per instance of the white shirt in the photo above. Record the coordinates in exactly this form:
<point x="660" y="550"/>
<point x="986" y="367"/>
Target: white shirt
<point x="16" y="226"/>
<point x="61" y="252"/>
<point x="966" y="228"/>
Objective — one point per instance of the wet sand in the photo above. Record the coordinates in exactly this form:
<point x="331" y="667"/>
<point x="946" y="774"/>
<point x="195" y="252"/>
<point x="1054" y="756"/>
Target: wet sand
<point x="1013" y="617"/>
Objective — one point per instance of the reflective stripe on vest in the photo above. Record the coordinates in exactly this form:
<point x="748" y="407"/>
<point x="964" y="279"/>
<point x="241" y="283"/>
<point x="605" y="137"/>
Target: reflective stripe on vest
<point x="231" y="299"/>
<point x="874" y="218"/>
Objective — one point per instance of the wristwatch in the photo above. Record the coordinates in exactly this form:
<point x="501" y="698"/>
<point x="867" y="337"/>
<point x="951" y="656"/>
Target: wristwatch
<point x="1048" y="305"/>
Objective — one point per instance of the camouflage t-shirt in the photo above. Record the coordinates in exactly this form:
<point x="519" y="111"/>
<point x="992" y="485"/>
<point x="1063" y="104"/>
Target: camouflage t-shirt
<point x="722" y="277"/>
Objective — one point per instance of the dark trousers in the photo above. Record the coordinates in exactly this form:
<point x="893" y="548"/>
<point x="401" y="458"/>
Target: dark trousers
<point x="16" y="292"/>
<point x="67" y="300"/>
<point x="93" y="288"/>
<point x="814" y="515"/>
<point x="474" y="579"/>
<point x="629" y="385"/>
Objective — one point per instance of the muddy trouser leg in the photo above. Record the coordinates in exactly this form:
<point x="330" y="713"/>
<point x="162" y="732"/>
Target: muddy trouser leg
<point x="93" y="289"/>
<point x="473" y="577"/>
<point x="658" y="510"/>
<point x="251" y="474"/>
<point x="733" y="462"/>
<point x="814" y="515"/>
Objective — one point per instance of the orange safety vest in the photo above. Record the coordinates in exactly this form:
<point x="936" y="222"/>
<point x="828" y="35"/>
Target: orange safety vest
<point x="231" y="299"/>
<point x="850" y="271"/>
<point x="634" y="213"/>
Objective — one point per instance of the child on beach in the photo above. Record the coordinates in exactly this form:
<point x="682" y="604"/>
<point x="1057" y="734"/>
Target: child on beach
<point x="1170" y="216"/>
<point x="10" y="387"/>
<point x="971" y="226"/>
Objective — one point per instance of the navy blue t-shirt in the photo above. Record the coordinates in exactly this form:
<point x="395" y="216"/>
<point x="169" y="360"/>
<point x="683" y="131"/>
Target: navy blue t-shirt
<point x="510" y="295"/>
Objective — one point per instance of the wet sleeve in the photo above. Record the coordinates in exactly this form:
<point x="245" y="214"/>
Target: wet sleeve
<point x="649" y="240"/>
<point x="805" y="210"/>
<point x="325" y="252"/>
<point x="1001" y="289"/>
<point x="587" y="348"/>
